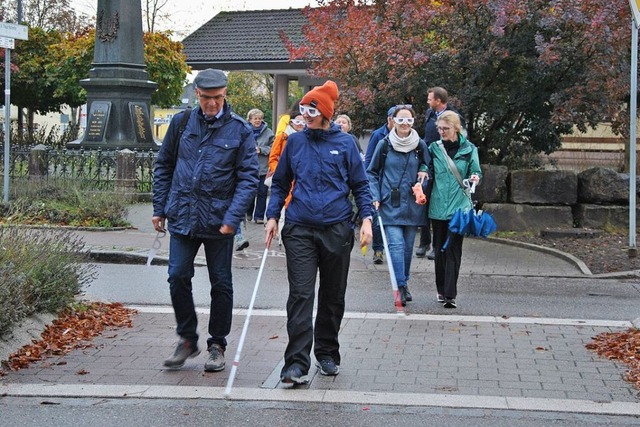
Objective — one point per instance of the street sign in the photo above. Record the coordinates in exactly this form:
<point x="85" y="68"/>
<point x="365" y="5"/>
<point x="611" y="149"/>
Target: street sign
<point x="7" y="43"/>
<point x="635" y="10"/>
<point x="14" y="31"/>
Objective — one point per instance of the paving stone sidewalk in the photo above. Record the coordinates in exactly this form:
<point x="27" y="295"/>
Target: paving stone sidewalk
<point x="418" y="359"/>
<point x="381" y="353"/>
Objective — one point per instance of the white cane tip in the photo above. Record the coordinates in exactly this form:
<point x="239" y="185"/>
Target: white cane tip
<point x="226" y="395"/>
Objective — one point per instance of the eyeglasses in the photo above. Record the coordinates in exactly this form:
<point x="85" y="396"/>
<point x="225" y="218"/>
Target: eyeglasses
<point x="403" y="120"/>
<point x="443" y="128"/>
<point x="403" y="106"/>
<point x="217" y="98"/>
<point x="309" y="111"/>
<point x="297" y="122"/>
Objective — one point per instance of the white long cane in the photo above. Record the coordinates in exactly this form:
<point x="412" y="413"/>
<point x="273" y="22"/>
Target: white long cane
<point x="394" y="282"/>
<point x="236" y="359"/>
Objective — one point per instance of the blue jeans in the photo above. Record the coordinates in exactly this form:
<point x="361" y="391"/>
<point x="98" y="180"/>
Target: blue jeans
<point x="218" y="252"/>
<point x="261" y="200"/>
<point x="400" y="239"/>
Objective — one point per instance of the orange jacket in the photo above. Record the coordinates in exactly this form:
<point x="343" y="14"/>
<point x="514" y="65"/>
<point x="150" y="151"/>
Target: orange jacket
<point x="276" y="151"/>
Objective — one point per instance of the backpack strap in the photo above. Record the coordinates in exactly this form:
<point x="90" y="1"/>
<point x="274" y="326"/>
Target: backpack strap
<point x="176" y="141"/>
<point x="383" y="154"/>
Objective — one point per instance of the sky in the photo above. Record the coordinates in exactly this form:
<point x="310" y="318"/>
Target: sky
<point x="188" y="15"/>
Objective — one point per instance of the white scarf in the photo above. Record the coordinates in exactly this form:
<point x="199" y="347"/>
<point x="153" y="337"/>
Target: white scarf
<point x="406" y="144"/>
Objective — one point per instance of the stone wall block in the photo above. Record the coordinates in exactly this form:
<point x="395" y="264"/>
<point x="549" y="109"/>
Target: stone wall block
<point x="603" y="216"/>
<point x="603" y="185"/>
<point x="543" y="187"/>
<point x="521" y="217"/>
<point x="493" y="187"/>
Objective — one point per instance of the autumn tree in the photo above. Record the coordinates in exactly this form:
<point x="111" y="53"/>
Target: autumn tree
<point x="30" y="86"/>
<point x="167" y="66"/>
<point x="246" y="90"/>
<point x="523" y="72"/>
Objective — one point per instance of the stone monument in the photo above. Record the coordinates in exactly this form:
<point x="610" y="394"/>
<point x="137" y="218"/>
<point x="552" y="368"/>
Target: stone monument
<point x="118" y="88"/>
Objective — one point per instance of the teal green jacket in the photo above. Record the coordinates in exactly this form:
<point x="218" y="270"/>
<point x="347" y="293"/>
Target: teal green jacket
<point x="447" y="196"/>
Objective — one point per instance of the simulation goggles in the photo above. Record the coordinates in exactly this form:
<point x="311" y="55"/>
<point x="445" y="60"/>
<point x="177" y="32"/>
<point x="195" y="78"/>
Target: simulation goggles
<point x="403" y="120"/>
<point x="309" y="111"/>
<point x="297" y="122"/>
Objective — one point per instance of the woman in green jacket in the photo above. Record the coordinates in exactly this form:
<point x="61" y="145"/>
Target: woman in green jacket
<point x="447" y="196"/>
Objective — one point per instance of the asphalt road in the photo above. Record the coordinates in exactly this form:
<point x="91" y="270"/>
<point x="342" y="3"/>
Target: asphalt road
<point x="164" y="413"/>
<point x="370" y="291"/>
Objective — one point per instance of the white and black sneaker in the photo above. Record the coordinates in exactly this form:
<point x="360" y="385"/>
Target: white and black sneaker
<point x="294" y="375"/>
<point x="328" y="367"/>
<point x="449" y="303"/>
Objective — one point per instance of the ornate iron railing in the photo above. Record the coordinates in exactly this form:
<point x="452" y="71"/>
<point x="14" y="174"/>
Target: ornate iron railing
<point x="88" y="169"/>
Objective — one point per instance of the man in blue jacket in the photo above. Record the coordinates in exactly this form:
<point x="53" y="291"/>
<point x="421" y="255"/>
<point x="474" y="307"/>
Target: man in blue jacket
<point x="205" y="177"/>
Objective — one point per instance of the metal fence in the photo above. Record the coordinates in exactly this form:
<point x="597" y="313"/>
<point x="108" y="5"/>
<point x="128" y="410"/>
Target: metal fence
<point x="94" y="170"/>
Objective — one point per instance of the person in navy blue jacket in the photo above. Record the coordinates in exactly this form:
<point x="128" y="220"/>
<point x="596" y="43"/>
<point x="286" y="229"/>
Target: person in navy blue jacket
<point x="318" y="233"/>
<point x="400" y="161"/>
<point x="205" y="177"/>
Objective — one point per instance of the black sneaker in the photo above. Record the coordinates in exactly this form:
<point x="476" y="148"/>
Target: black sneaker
<point x="449" y="303"/>
<point x="378" y="257"/>
<point x="293" y="375"/>
<point x="328" y="367"/>
<point x="402" y="290"/>
<point x="440" y="298"/>
<point x="408" y="294"/>
<point x="421" y="251"/>
<point x="184" y="351"/>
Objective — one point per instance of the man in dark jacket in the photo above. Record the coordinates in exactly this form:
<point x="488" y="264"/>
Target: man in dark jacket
<point x="205" y="177"/>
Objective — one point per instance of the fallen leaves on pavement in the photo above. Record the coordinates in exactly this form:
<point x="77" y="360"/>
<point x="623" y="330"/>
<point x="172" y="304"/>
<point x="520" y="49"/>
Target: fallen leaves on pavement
<point x="623" y="347"/>
<point x="73" y="329"/>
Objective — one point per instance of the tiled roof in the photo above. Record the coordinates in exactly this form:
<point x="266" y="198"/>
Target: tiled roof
<point x="244" y="37"/>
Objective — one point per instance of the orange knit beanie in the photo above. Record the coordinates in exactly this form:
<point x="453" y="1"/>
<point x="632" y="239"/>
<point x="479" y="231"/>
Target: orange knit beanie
<point x="322" y="98"/>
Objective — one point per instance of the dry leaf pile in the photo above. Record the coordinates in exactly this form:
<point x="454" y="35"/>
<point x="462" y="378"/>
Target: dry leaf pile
<point x="623" y="347"/>
<point x="73" y="329"/>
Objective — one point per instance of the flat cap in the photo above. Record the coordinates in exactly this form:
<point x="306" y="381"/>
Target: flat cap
<point x="210" y="79"/>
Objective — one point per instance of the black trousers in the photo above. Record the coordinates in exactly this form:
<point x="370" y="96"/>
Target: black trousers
<point x="425" y="235"/>
<point x="309" y="250"/>
<point x="447" y="262"/>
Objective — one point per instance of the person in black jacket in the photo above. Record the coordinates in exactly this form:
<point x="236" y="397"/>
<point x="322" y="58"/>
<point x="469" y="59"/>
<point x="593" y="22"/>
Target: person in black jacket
<point x="205" y="177"/>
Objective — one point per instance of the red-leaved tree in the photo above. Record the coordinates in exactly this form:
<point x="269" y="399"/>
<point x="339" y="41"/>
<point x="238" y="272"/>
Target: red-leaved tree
<point x="522" y="72"/>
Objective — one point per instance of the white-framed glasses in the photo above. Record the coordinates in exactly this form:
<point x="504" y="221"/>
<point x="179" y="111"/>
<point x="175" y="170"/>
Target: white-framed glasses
<point x="297" y="122"/>
<point x="403" y="120"/>
<point x="309" y="111"/>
